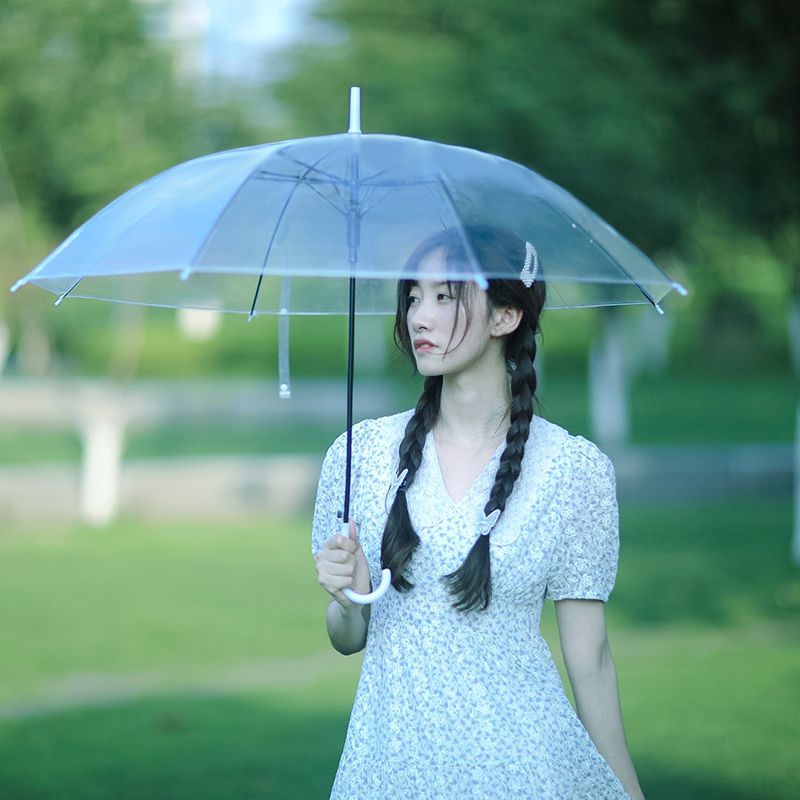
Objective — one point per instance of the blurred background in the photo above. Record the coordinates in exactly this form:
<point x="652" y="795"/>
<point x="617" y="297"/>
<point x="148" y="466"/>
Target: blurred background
<point x="155" y="494"/>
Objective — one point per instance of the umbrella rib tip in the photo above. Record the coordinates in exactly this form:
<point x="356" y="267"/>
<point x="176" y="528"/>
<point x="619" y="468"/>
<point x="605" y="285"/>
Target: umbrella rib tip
<point x="680" y="289"/>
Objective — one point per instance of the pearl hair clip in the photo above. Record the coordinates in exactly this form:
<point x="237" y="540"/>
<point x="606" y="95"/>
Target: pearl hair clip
<point x="526" y="275"/>
<point x="394" y="488"/>
<point x="487" y="523"/>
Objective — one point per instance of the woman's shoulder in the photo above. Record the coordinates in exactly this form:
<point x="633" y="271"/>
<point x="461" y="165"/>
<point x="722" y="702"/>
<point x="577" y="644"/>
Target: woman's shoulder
<point x="573" y="447"/>
<point x="370" y="432"/>
<point x="387" y="426"/>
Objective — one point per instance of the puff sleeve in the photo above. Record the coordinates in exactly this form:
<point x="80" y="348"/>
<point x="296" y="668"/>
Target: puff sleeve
<point x="584" y="563"/>
<point x="329" y="495"/>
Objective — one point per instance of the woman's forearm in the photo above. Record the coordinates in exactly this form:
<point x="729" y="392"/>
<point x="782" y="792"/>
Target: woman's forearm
<point x="597" y="704"/>
<point x="347" y="627"/>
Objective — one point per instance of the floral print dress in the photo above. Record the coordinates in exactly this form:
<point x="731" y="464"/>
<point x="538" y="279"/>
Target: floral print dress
<point x="469" y="705"/>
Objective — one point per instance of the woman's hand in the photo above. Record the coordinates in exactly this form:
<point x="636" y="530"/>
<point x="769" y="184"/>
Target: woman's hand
<point x="342" y="563"/>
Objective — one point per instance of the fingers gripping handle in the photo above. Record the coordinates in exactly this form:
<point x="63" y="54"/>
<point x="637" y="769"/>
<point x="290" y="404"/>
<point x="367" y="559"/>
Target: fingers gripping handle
<point x="363" y="599"/>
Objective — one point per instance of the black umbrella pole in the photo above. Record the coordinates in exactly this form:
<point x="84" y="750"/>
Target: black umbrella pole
<point x="351" y="335"/>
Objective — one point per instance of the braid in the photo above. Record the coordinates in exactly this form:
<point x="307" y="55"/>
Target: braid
<point x="399" y="537"/>
<point x="425" y="414"/>
<point x="523" y="385"/>
<point x="472" y="580"/>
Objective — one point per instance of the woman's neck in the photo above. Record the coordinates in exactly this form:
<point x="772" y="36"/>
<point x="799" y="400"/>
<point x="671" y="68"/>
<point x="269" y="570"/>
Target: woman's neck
<point x="475" y="404"/>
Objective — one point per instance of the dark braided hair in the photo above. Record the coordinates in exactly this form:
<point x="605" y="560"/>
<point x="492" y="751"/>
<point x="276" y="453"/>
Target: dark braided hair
<point x="500" y="252"/>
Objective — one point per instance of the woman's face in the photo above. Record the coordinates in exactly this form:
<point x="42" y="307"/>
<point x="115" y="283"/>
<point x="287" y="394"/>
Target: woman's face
<point x="432" y="321"/>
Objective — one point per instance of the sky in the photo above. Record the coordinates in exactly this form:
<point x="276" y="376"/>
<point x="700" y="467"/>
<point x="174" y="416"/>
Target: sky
<point x="235" y="34"/>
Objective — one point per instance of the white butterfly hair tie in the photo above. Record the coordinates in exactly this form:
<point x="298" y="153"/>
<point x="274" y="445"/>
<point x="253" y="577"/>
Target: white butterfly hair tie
<point x="526" y="275"/>
<point x="394" y="487"/>
<point x="487" y="523"/>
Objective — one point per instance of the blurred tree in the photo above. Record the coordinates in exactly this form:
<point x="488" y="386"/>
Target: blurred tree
<point x="548" y="85"/>
<point x="675" y="121"/>
<point x="89" y="106"/>
<point x="730" y="77"/>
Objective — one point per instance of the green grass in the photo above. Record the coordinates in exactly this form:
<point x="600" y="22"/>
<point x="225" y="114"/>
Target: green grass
<point x="137" y="597"/>
<point x="703" y="623"/>
<point x="690" y="409"/>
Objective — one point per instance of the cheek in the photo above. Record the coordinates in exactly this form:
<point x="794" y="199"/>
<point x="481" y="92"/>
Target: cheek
<point x="459" y="325"/>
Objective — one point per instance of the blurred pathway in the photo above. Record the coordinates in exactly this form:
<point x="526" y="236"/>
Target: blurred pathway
<point x="90" y="688"/>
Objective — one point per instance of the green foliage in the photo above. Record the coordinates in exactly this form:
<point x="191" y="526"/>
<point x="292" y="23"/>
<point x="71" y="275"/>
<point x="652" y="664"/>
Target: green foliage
<point x="550" y="86"/>
<point x="674" y="122"/>
<point x="89" y="106"/>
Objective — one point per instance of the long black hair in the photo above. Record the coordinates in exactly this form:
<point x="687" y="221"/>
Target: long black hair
<point x="499" y="252"/>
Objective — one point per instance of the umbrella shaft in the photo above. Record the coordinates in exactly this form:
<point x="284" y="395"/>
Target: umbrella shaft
<point x="350" y="352"/>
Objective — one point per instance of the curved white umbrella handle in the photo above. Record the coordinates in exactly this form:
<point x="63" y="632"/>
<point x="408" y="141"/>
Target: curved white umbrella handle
<point x="363" y="599"/>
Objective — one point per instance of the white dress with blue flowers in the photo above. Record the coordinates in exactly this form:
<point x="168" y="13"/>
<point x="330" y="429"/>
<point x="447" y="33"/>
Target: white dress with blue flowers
<point x="470" y="705"/>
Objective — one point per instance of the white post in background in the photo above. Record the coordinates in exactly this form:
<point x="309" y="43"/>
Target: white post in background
<point x="372" y="344"/>
<point x="796" y="530"/>
<point x="647" y="342"/>
<point x="794" y="332"/>
<point x="5" y="345"/>
<point x="608" y="389"/>
<point x="102" y="430"/>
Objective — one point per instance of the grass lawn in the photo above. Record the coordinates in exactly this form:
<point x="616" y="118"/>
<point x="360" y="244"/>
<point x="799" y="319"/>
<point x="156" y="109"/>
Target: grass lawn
<point x="163" y="662"/>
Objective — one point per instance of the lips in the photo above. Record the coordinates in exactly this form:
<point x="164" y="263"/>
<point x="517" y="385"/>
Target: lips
<point x="423" y="346"/>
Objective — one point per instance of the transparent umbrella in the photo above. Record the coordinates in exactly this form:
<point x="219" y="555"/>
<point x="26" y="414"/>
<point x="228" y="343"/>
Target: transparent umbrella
<point x="291" y="227"/>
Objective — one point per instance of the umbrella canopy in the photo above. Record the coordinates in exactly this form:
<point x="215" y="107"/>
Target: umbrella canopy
<point x="290" y="227"/>
<point x="224" y="230"/>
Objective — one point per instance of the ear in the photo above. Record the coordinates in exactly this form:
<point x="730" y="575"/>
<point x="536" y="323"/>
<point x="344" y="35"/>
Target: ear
<point x="505" y="320"/>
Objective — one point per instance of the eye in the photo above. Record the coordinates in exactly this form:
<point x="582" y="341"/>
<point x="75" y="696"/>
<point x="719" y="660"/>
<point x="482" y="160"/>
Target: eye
<point x="444" y="296"/>
<point x="412" y="299"/>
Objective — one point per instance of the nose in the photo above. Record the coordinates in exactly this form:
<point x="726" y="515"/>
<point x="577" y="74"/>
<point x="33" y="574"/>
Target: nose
<point x="420" y="316"/>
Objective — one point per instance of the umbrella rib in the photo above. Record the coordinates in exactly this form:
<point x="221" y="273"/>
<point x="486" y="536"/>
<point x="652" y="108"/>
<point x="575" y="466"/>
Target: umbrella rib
<point x="372" y="188"/>
<point x="460" y="228"/>
<point x="365" y="211"/>
<point x="267" y="175"/>
<point x="369" y="182"/>
<point x="213" y="229"/>
<point x="310" y="167"/>
<point x="608" y="255"/>
<point x="363" y="181"/>
<point x="272" y="241"/>
<point x="310" y="183"/>
<point x="62" y="296"/>
<point x="438" y="211"/>
<point x="327" y="199"/>
<point x="410" y="182"/>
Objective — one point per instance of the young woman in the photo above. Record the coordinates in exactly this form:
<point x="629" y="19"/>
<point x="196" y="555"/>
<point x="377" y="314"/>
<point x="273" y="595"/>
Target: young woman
<point x="481" y="509"/>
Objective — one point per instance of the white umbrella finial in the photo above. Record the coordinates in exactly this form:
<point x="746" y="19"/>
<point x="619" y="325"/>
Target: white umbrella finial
<point x="355" y="109"/>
